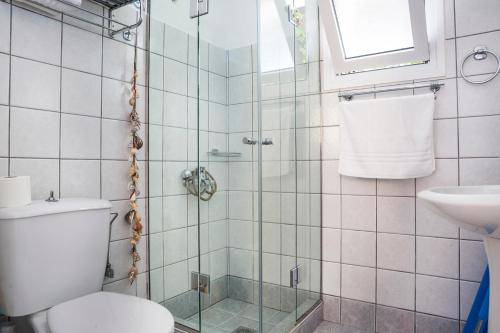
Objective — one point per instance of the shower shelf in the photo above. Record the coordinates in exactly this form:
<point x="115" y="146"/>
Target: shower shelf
<point x="217" y="153"/>
<point x="110" y="24"/>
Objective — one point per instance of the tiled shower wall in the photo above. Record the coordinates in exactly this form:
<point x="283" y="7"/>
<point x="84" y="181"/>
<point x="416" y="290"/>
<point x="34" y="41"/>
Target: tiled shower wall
<point x="388" y="262"/>
<point x="174" y="123"/>
<point x="63" y="108"/>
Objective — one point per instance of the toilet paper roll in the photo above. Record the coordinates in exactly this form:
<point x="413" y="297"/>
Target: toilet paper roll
<point x="15" y="191"/>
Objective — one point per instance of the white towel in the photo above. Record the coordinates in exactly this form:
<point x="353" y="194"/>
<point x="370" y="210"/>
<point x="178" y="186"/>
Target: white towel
<point x="389" y="138"/>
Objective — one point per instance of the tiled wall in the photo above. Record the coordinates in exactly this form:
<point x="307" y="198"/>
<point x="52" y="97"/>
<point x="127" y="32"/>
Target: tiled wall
<point x="388" y="262"/>
<point x="63" y="110"/>
<point x="173" y="141"/>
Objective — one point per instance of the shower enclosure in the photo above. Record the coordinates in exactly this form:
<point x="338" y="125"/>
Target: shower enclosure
<point x="234" y="162"/>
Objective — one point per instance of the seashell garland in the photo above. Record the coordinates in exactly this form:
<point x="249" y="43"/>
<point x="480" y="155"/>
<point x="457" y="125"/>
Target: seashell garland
<point x="134" y="216"/>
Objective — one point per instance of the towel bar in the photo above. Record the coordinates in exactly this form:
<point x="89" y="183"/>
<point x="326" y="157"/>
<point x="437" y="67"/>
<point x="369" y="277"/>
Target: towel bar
<point x="434" y="87"/>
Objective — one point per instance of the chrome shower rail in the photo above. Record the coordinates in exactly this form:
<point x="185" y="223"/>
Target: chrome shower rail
<point x="348" y="95"/>
<point x="108" y="21"/>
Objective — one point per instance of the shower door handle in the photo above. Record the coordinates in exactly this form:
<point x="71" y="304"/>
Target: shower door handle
<point x="267" y="142"/>
<point x="249" y="141"/>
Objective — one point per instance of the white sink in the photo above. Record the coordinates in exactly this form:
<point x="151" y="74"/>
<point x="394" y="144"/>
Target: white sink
<point x="475" y="208"/>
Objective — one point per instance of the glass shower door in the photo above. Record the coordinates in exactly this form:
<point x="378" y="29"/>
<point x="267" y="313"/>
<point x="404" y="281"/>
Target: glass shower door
<point x="233" y="165"/>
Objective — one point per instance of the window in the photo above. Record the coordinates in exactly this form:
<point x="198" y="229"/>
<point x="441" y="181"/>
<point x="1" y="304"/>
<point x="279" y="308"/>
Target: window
<point x="366" y="35"/>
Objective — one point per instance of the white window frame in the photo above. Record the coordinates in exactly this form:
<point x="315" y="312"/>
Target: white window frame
<point x="333" y="56"/>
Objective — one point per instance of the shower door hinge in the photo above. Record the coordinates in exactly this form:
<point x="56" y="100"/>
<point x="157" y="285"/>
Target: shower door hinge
<point x="200" y="282"/>
<point x="198" y="8"/>
<point x="295" y="276"/>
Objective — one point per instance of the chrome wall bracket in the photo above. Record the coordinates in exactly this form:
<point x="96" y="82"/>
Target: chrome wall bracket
<point x="295" y="276"/>
<point x="200" y="282"/>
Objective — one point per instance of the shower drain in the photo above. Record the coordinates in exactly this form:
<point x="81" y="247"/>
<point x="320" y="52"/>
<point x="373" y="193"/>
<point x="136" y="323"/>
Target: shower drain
<point x="243" y="329"/>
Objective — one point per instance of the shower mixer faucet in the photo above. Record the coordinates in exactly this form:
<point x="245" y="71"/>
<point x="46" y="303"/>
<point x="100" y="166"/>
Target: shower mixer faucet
<point x="201" y="184"/>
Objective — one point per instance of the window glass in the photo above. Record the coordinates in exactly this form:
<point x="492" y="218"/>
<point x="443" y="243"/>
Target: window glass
<point x="369" y="27"/>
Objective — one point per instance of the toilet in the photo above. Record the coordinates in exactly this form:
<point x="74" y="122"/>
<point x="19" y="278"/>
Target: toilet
<point x="52" y="264"/>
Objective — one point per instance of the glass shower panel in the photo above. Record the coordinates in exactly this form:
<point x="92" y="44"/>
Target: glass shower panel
<point x="234" y="164"/>
<point x="304" y="16"/>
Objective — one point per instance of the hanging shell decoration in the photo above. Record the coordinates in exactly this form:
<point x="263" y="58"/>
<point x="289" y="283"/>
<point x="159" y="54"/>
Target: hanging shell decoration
<point x="134" y="216"/>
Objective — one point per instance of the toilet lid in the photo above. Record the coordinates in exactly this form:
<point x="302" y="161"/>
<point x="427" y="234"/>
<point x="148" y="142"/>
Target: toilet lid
<point x="105" y="312"/>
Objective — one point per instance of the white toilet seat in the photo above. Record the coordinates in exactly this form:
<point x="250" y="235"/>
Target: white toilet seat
<point x="105" y="312"/>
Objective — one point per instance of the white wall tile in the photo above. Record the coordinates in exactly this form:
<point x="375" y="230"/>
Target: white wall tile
<point x="396" y="215"/>
<point x="478" y="136"/>
<point x="438" y="257"/>
<point x="34" y="85"/>
<point x="115" y="139"/>
<point x="82" y="50"/>
<point x="175" y="76"/>
<point x="217" y="60"/>
<point x="449" y="10"/>
<point x="446" y="138"/>
<point x="331" y="278"/>
<point x="241" y="263"/>
<point x="117" y="61"/>
<point x="331" y="244"/>
<point x="114" y="184"/>
<point x="218" y="88"/>
<point x="241" y="234"/>
<point x="115" y="96"/>
<point x="175" y="245"/>
<point x="331" y="143"/>
<point x="194" y="55"/>
<point x="450" y="62"/>
<point x="35" y="36"/>
<point x="446" y="174"/>
<point x="80" y="93"/>
<point x="240" y="61"/>
<point x="4" y="27"/>
<point x="80" y="179"/>
<point x="240" y="89"/>
<point x="358" y="283"/>
<point x="331" y="177"/>
<point x="176" y="44"/>
<point x="396" y="289"/>
<point x="175" y="144"/>
<point x="396" y="187"/>
<point x="477" y="100"/>
<point x="155" y="142"/>
<point x="479" y="171"/>
<point x="396" y="252"/>
<point x="359" y="248"/>
<point x="218" y="114"/>
<point x="80" y="137"/>
<point x="473" y="260"/>
<point x="155" y="71"/>
<point x="175" y="110"/>
<point x="217" y="235"/>
<point x="437" y="296"/>
<point x="359" y="212"/>
<point x="174" y="212"/>
<point x="34" y="133"/>
<point x="468" y="291"/>
<point x="4" y="78"/>
<point x="4" y="131"/>
<point x="176" y="278"/>
<point x="44" y="175"/>
<point x="431" y="224"/>
<point x="358" y="186"/>
<point x="331" y="212"/>
<point x="156" y="36"/>
<point x="476" y="17"/>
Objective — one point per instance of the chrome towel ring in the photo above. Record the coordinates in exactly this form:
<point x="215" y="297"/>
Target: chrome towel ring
<point x="480" y="53"/>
